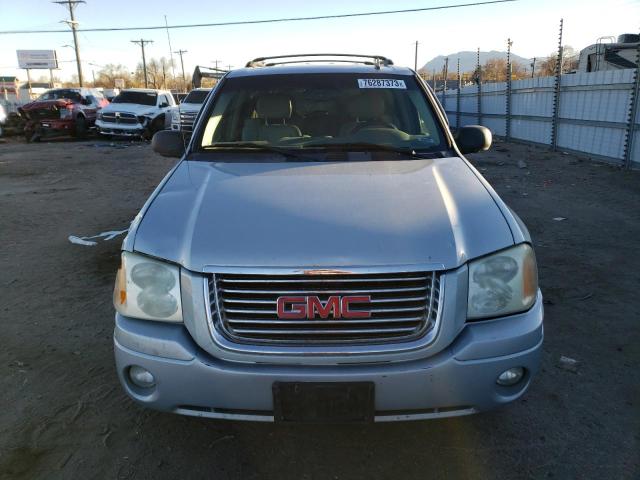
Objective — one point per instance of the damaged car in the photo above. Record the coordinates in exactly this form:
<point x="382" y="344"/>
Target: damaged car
<point x="137" y="112"/>
<point x="62" y="111"/>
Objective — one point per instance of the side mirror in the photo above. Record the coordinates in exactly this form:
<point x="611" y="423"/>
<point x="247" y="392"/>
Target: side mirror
<point x="473" y="138"/>
<point x="163" y="105"/>
<point x="168" y="143"/>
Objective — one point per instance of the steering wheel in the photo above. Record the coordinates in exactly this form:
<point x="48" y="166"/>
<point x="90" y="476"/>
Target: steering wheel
<point x="372" y="124"/>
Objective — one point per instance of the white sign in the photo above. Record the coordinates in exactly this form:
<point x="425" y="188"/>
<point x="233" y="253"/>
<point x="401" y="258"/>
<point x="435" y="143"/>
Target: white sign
<point x="37" y="59"/>
<point x="381" y="83"/>
<point x="118" y="82"/>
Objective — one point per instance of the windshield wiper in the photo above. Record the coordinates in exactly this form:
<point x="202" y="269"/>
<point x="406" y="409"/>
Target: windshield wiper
<point x="375" y="147"/>
<point x="258" y="147"/>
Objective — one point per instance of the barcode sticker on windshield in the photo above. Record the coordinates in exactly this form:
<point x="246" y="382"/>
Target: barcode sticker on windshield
<point x="381" y="83"/>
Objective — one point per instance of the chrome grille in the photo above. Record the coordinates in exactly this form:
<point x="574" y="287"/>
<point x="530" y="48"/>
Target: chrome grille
<point x="122" y="118"/>
<point x="403" y="306"/>
<point x="186" y="121"/>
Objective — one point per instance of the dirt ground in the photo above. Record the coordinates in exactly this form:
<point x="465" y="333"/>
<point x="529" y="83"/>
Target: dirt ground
<point x="64" y="415"/>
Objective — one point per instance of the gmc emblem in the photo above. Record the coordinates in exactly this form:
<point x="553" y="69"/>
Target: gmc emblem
<point x="312" y="307"/>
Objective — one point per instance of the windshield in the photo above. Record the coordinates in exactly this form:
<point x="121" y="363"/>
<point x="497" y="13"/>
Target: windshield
<point x="323" y="111"/>
<point x="196" y="96"/>
<point x="141" y="98"/>
<point x="73" y="95"/>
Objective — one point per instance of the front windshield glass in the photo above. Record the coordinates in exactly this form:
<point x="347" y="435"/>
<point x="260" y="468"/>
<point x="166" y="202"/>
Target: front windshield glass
<point x="140" y="98"/>
<point x="323" y="111"/>
<point x="196" y="96"/>
<point x="68" y="94"/>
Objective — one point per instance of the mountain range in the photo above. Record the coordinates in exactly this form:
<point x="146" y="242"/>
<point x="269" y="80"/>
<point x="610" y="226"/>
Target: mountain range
<point x="468" y="60"/>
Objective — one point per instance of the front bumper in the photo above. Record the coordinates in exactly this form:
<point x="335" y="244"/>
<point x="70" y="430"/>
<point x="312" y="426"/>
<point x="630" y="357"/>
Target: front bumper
<point x="125" y="130"/>
<point x="53" y="126"/>
<point x="458" y="380"/>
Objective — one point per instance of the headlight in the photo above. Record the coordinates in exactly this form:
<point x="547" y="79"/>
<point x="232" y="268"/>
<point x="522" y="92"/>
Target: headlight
<point x="175" y="116"/>
<point x="503" y="283"/>
<point x="148" y="288"/>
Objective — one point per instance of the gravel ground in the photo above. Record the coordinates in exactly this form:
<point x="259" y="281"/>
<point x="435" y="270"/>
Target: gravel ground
<point x="64" y="415"/>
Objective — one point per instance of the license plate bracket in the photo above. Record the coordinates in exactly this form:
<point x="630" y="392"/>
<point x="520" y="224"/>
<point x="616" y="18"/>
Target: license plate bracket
<point x="324" y="402"/>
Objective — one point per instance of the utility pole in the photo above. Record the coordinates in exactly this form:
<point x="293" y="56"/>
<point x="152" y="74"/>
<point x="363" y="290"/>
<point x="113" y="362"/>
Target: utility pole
<point x="415" y="61"/>
<point x="71" y="4"/>
<point x="142" y="43"/>
<point x="533" y="67"/>
<point x="173" y="69"/>
<point x="184" y="81"/>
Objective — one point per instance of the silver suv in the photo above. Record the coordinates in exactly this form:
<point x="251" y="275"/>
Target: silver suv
<point x="324" y="252"/>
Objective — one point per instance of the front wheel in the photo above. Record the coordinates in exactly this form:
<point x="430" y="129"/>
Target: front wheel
<point x="81" y="127"/>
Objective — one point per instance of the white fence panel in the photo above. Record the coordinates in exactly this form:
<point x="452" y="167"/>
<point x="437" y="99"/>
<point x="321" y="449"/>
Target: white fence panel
<point x="537" y="131"/>
<point x="592" y="113"/>
<point x="532" y="97"/>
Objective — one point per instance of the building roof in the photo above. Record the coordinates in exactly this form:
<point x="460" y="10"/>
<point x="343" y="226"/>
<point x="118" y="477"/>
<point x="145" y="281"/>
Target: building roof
<point x="36" y="85"/>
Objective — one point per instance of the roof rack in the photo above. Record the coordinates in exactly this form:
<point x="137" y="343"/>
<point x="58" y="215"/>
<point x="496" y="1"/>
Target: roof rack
<point x="375" y="60"/>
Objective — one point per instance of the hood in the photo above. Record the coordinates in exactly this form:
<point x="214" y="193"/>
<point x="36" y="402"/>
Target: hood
<point x="47" y="104"/>
<point x="189" y="107"/>
<point x="134" y="108"/>
<point x="378" y="213"/>
<point x="44" y="109"/>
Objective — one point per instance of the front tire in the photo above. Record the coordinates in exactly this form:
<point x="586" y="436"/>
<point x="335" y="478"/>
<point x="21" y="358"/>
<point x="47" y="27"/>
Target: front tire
<point x="81" y="127"/>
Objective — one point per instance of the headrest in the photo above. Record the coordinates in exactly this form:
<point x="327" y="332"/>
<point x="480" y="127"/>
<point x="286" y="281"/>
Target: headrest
<point x="274" y="106"/>
<point x="366" y="106"/>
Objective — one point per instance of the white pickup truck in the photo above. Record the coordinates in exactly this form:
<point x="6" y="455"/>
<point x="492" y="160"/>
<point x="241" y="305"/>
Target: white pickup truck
<point x="184" y="115"/>
<point x="137" y="112"/>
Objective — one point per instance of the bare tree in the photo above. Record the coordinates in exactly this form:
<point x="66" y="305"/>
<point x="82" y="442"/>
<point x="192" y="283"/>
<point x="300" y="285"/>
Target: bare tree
<point x="107" y="75"/>
<point x="547" y="67"/>
<point x="158" y="73"/>
<point x="495" y="70"/>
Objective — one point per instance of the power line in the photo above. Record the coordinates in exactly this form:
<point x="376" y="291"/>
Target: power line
<point x="71" y="4"/>
<point x="142" y="43"/>
<point x="271" y="20"/>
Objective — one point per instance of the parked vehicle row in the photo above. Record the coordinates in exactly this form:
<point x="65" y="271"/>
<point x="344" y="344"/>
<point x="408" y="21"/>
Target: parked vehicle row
<point x="135" y="112"/>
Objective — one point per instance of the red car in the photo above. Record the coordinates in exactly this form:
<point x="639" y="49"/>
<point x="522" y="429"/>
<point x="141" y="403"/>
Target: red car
<point x="62" y="111"/>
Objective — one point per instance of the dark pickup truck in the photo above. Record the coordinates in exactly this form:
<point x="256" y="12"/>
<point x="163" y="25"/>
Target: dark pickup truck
<point x="62" y="111"/>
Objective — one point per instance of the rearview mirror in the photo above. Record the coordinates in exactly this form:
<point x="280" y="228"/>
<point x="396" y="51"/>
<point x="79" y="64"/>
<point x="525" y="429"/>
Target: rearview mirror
<point x="168" y="143"/>
<point x="473" y="138"/>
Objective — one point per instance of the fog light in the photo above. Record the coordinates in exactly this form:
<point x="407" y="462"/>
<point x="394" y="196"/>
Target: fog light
<point x="141" y="377"/>
<point x="511" y="376"/>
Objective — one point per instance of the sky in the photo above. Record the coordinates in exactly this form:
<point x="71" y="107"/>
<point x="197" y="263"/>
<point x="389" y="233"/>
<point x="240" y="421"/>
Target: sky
<point x="532" y="25"/>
